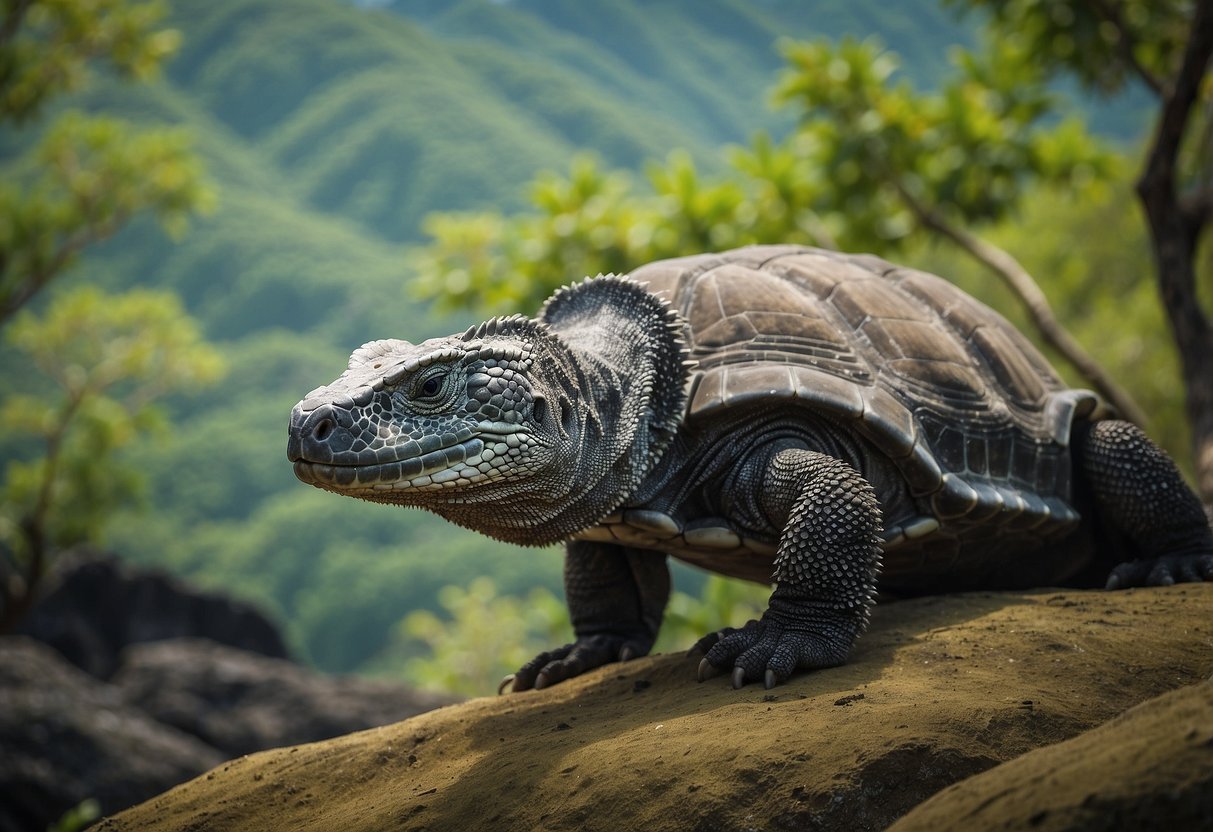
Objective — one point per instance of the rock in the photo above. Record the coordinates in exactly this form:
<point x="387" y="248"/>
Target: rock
<point x="940" y="689"/>
<point x="177" y="706"/>
<point x="241" y="702"/>
<point x="1151" y="768"/>
<point x="67" y="736"/>
<point x="97" y="605"/>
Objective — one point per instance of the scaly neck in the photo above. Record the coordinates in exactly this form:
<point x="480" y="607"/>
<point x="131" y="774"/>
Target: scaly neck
<point x="612" y="359"/>
<point x="627" y="386"/>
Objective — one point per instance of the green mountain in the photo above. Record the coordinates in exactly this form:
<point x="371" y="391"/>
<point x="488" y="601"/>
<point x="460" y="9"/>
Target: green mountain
<point x="330" y="131"/>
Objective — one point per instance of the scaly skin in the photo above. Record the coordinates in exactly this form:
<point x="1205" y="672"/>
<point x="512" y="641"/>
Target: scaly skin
<point x="510" y="429"/>
<point x="534" y="431"/>
<point x="1138" y="487"/>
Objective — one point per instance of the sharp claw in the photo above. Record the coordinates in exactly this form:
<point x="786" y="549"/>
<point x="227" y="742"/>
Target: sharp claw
<point x="627" y="653"/>
<point x="768" y="681"/>
<point x="706" y="670"/>
<point x="506" y="681"/>
<point x="541" y="681"/>
<point x="738" y="678"/>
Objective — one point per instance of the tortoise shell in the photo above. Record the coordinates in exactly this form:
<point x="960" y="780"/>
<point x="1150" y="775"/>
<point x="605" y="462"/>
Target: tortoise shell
<point x="967" y="408"/>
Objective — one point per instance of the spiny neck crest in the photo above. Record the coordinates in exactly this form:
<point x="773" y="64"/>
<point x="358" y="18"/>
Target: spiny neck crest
<point x="618" y="322"/>
<point x="511" y="326"/>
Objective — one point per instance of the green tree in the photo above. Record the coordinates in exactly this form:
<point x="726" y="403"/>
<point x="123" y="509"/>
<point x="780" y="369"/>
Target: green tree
<point x="484" y="637"/>
<point x="876" y="165"/>
<point x="89" y="175"/>
<point x="1165" y="46"/>
<point x="948" y="161"/>
<point x="47" y="47"/>
<point x="109" y="358"/>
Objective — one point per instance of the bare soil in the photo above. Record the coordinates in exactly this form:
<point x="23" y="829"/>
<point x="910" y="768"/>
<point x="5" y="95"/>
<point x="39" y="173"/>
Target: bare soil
<point x="939" y="689"/>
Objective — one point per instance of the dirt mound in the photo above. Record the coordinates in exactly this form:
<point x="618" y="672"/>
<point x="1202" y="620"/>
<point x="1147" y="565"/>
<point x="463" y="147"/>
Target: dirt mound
<point x="939" y="690"/>
<point x="1149" y="768"/>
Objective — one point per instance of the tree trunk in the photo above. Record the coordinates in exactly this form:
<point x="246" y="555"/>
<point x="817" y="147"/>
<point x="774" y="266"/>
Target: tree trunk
<point x="1176" y="224"/>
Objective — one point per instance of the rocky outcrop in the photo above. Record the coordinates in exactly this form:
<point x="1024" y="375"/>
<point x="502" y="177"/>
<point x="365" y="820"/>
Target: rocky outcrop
<point x="239" y="702"/>
<point x="67" y="737"/>
<point x="97" y="605"/>
<point x="154" y="708"/>
<point x="1149" y="768"/>
<point x="173" y="710"/>
<point x="939" y="690"/>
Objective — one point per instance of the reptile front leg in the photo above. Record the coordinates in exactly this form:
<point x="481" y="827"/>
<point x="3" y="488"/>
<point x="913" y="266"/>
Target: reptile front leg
<point x="616" y="597"/>
<point x="825" y="573"/>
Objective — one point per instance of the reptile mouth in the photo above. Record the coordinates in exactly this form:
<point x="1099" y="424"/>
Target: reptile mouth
<point x="414" y="472"/>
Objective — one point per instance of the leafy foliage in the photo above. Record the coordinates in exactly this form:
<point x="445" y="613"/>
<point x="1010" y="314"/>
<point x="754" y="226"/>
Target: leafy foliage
<point x="1104" y="44"/>
<point x="46" y="48"/>
<point x="483" y="635"/>
<point x="88" y="176"/>
<point x="486" y="636"/>
<point x="95" y="175"/>
<point x="967" y="150"/>
<point x="869" y="162"/>
<point x="78" y="817"/>
<point x="109" y="357"/>
<point x="721" y="603"/>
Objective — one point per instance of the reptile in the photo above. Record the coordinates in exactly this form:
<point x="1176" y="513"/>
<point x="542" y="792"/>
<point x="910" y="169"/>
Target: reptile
<point x="820" y="422"/>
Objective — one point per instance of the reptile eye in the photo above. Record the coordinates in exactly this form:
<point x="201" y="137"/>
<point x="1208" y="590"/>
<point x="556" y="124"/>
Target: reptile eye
<point x="431" y="387"/>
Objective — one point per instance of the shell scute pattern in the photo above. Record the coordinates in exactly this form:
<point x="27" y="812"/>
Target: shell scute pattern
<point x="972" y="414"/>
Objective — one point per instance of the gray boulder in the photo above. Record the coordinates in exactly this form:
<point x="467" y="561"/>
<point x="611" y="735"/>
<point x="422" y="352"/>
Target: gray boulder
<point x="67" y="737"/>
<point x="96" y="606"/>
<point x="241" y="702"/>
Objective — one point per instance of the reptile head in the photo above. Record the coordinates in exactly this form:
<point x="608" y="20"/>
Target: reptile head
<point x="416" y="424"/>
<point x="528" y="431"/>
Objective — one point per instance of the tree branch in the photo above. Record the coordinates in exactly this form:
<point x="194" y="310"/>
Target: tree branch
<point x="1034" y="301"/>
<point x="1158" y="178"/>
<point x="1125" y="45"/>
<point x="24" y="291"/>
<point x="13" y="20"/>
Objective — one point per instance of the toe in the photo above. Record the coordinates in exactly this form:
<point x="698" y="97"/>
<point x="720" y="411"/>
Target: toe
<point x="707" y="670"/>
<point x="1160" y="575"/>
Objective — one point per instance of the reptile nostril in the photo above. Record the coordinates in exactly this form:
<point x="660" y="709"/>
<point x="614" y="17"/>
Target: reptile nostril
<point x="322" y="430"/>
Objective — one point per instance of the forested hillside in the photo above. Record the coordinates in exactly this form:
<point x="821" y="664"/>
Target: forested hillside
<point x="329" y="132"/>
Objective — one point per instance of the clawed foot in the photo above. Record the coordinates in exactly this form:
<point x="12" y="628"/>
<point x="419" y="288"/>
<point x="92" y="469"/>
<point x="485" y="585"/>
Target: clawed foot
<point x="772" y="650"/>
<point x="1164" y="571"/>
<point x="554" y="666"/>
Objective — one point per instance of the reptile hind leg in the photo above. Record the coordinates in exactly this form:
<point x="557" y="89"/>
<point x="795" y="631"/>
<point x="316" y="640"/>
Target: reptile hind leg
<point x="1139" y="491"/>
